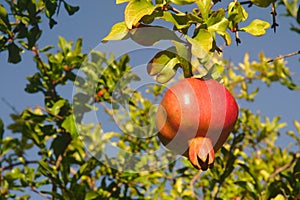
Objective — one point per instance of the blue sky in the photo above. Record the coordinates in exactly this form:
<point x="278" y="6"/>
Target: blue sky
<point x="93" y="22"/>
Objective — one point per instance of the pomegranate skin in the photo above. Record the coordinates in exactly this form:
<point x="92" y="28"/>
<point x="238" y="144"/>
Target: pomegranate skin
<point x="192" y="109"/>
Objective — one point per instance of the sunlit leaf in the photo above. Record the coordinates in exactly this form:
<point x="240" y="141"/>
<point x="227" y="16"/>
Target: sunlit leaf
<point x="119" y="31"/>
<point x="217" y="21"/>
<point x="236" y="12"/>
<point x="257" y="27"/>
<point x="204" y="7"/>
<point x="202" y="43"/>
<point x="135" y="10"/>
<point x="122" y="1"/>
<point x="69" y="125"/>
<point x="182" y="2"/>
<point x="179" y="20"/>
<point x="160" y="60"/>
<point x="168" y="72"/>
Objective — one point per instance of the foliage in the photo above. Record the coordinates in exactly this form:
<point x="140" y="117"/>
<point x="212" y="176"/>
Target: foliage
<point x="46" y="155"/>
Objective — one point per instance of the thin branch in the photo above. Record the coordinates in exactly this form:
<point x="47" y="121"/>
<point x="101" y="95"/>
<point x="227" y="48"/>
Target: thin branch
<point x="284" y="56"/>
<point x="274" y="13"/>
<point x="50" y="113"/>
<point x="282" y="168"/>
<point x="237" y="38"/>
<point x="19" y="163"/>
<point x="10" y="105"/>
<point x="40" y="193"/>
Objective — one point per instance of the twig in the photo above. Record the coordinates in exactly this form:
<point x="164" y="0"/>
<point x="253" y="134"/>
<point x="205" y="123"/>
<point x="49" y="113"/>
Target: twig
<point x="282" y="168"/>
<point x="237" y="38"/>
<point x="274" y="13"/>
<point x="10" y="105"/>
<point x="19" y="163"/>
<point x="284" y="56"/>
<point x="40" y="193"/>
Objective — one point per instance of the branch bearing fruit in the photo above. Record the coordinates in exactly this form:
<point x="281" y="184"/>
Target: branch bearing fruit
<point x="195" y="118"/>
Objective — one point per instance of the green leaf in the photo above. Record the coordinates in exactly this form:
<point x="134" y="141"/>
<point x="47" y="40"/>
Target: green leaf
<point x="71" y="9"/>
<point x="279" y="197"/>
<point x="33" y="35"/>
<point x="51" y="7"/>
<point x="3" y="14"/>
<point x="60" y="144"/>
<point x="13" y="53"/>
<point x="55" y="110"/>
<point x="179" y="20"/>
<point x="4" y="22"/>
<point x="122" y="1"/>
<point x="168" y="72"/>
<point x="149" y="35"/>
<point x="256" y="27"/>
<point x="204" y="7"/>
<point x="216" y="71"/>
<point x="217" y="21"/>
<point x="184" y="56"/>
<point x="236" y="12"/>
<point x="182" y="2"/>
<point x="52" y="23"/>
<point x="135" y="10"/>
<point x="119" y="31"/>
<point x="78" y="46"/>
<point x="91" y="195"/>
<point x="262" y="3"/>
<point x="202" y="43"/>
<point x="159" y="61"/>
<point x="46" y="48"/>
<point x="70" y="126"/>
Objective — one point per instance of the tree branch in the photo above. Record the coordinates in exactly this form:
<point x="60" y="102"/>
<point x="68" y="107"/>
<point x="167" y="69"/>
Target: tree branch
<point x="284" y="56"/>
<point x="19" y="163"/>
<point x="274" y="13"/>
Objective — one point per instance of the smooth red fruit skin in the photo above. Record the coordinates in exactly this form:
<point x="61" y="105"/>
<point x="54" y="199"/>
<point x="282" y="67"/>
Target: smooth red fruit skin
<point x="196" y="108"/>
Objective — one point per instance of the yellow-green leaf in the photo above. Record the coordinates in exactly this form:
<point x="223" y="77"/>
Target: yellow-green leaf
<point x="257" y="27"/>
<point x="122" y="1"/>
<point x="160" y="60"/>
<point x="70" y="126"/>
<point x="204" y="7"/>
<point x="202" y="43"/>
<point x="168" y="72"/>
<point x="182" y="2"/>
<point x="119" y="31"/>
<point x="135" y="10"/>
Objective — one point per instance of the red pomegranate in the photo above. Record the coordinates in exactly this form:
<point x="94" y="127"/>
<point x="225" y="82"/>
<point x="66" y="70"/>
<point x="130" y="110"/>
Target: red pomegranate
<point x="195" y="118"/>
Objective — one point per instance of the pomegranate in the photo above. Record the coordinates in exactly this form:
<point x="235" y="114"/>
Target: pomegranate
<point x="195" y="118"/>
